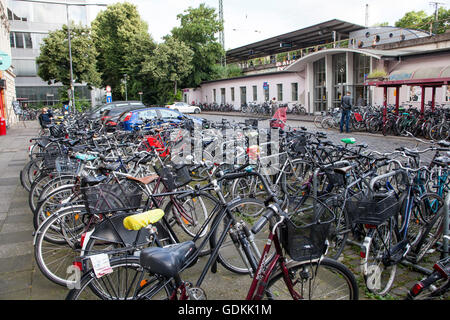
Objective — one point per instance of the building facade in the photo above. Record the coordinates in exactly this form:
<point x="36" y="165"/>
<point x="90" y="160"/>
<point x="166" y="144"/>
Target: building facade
<point x="318" y="76"/>
<point x="30" y="24"/>
<point x="7" y="89"/>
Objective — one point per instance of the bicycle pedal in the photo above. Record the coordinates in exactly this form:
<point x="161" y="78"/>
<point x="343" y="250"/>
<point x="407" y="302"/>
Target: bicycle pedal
<point x="196" y="293"/>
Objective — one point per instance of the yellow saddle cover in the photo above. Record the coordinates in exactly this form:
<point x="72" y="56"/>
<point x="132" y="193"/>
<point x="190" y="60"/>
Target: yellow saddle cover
<point x="141" y="220"/>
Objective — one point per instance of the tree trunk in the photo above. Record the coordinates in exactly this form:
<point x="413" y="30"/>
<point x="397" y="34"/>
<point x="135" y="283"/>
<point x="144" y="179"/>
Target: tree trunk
<point x="175" y="86"/>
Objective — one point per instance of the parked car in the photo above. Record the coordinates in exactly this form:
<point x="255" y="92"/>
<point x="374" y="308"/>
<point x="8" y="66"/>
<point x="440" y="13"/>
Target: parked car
<point x="111" y="116"/>
<point x="129" y="119"/>
<point x="98" y="111"/>
<point x="184" y="107"/>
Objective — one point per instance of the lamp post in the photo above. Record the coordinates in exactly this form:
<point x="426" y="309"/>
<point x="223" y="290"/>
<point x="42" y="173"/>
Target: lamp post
<point x="67" y="4"/>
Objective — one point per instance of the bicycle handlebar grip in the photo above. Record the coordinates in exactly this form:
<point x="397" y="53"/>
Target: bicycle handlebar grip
<point x="262" y="221"/>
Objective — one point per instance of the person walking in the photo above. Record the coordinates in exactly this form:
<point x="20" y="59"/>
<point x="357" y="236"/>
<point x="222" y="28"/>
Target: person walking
<point x="346" y="107"/>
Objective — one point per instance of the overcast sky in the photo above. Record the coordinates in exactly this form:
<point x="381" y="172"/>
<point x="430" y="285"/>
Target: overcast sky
<point x="247" y="21"/>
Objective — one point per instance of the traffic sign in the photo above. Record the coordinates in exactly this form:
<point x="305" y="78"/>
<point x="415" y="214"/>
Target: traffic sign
<point x="109" y="98"/>
<point x="108" y="89"/>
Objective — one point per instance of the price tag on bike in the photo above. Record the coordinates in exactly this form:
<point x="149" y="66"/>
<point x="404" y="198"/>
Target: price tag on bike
<point x="100" y="263"/>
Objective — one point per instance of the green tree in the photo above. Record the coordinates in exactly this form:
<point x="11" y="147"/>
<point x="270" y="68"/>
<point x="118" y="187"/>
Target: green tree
<point x="123" y="43"/>
<point x="414" y="20"/>
<point x="225" y="72"/>
<point x="171" y="61"/>
<point x="54" y="62"/>
<point x="198" y="29"/>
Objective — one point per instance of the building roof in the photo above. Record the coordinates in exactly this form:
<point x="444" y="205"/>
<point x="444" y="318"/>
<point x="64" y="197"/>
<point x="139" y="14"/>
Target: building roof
<point x="302" y="38"/>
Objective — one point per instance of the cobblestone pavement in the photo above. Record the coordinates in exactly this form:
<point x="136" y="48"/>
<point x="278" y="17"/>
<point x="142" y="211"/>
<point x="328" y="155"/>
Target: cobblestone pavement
<point x="20" y="279"/>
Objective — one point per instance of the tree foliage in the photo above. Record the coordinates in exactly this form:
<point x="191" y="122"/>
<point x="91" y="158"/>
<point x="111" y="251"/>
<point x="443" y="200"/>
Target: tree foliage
<point x="123" y="43"/>
<point x="171" y="61"/>
<point x="420" y="20"/>
<point x="198" y="29"/>
<point x="54" y="62"/>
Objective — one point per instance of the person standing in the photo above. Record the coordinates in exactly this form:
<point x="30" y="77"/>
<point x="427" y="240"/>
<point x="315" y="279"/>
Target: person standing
<point x="346" y="107"/>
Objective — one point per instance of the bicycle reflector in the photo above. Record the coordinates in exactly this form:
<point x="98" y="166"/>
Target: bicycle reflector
<point x="417" y="288"/>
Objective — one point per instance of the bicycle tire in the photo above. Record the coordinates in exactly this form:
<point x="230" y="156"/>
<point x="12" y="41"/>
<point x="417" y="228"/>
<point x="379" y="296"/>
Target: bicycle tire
<point x="90" y="287"/>
<point x="429" y="237"/>
<point x="228" y="255"/>
<point x="378" y="277"/>
<point x="325" y="278"/>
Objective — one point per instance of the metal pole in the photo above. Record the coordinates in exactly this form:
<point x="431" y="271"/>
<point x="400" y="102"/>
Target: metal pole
<point x="446" y="233"/>
<point x="72" y="89"/>
<point x="126" y="92"/>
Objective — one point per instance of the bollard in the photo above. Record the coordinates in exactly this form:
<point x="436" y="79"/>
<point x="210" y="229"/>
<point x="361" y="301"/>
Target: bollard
<point x="2" y="126"/>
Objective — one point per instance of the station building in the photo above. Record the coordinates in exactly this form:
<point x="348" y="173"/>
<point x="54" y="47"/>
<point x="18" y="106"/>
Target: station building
<point x="315" y="65"/>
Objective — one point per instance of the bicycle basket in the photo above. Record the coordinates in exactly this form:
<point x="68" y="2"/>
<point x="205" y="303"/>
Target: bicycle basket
<point x="304" y="234"/>
<point x="106" y="197"/>
<point x="299" y="144"/>
<point x="49" y="157"/>
<point x="67" y="165"/>
<point x="372" y="210"/>
<point x="173" y="176"/>
<point x="335" y="178"/>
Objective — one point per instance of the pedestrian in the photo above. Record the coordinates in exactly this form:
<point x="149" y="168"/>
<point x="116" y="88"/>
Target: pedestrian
<point x="45" y="118"/>
<point x="346" y="107"/>
<point x="273" y="105"/>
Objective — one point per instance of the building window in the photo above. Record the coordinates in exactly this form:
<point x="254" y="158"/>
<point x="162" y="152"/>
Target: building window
<point x="214" y="96"/>
<point x="294" y="91"/>
<point x="222" y="95"/>
<point x="320" y="88"/>
<point x="28" y="41"/>
<point x="339" y="78"/>
<point x="10" y="15"/>
<point x="11" y="39"/>
<point x="19" y="39"/>
<point x="255" y="93"/>
<point x="243" y="95"/>
<point x="280" y="92"/>
<point x="232" y="94"/>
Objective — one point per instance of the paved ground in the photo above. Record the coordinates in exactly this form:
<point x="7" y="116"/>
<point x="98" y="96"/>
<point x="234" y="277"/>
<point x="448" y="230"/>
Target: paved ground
<point x="20" y="279"/>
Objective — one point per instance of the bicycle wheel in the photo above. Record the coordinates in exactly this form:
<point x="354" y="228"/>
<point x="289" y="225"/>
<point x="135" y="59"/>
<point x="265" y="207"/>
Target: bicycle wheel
<point x="339" y="229"/>
<point x="54" y="259"/>
<point x="60" y="197"/>
<point x="127" y="281"/>
<point x="379" y="277"/>
<point x="190" y="213"/>
<point x="229" y="255"/>
<point x="326" y="279"/>
<point x="318" y="121"/>
<point x="430" y="236"/>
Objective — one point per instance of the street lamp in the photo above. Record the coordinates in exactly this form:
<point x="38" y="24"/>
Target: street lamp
<point x="72" y="88"/>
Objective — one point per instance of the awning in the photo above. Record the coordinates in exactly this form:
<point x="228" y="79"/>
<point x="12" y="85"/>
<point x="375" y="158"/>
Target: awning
<point x="417" y="76"/>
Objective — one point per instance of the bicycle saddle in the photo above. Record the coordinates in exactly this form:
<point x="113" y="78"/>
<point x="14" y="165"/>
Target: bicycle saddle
<point x="145" y="180"/>
<point x="91" y="181"/>
<point x="167" y="261"/>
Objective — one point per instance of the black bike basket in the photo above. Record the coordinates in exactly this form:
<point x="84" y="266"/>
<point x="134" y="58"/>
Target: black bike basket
<point x="372" y="210"/>
<point x="299" y="144"/>
<point x="105" y="197"/>
<point x="304" y="234"/>
<point x="173" y="176"/>
<point x="335" y="178"/>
